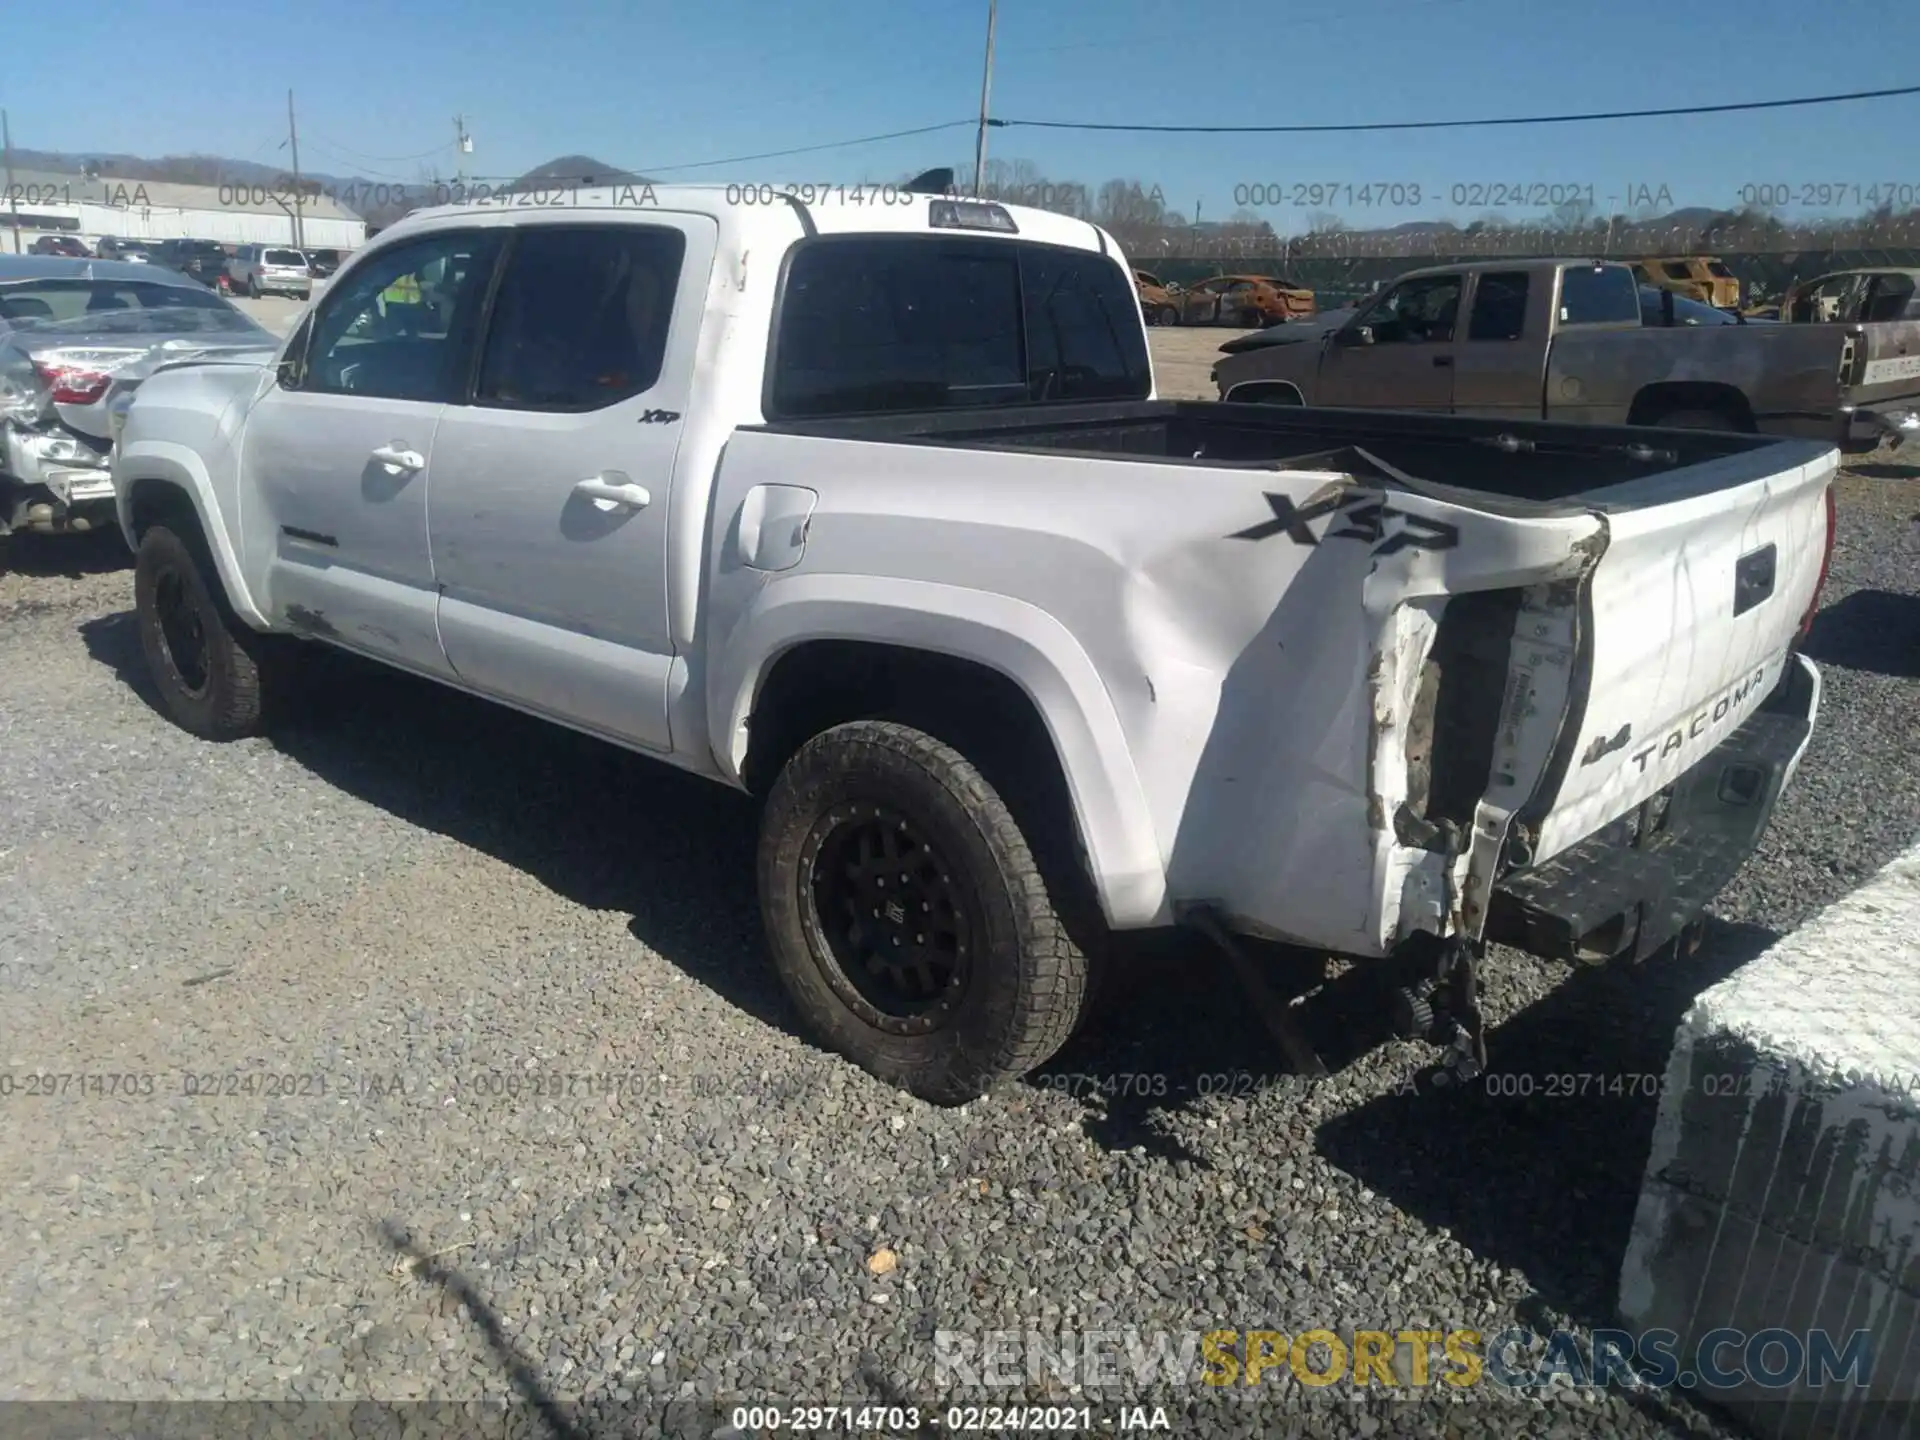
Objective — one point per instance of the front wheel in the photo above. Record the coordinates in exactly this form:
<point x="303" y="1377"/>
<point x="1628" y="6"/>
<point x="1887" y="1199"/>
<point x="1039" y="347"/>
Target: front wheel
<point x="1168" y="315"/>
<point x="203" y="659"/>
<point x="908" y="918"/>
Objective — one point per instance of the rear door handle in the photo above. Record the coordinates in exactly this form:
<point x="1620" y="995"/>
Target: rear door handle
<point x="609" y="495"/>
<point x="399" y="457"/>
<point x="1443" y="362"/>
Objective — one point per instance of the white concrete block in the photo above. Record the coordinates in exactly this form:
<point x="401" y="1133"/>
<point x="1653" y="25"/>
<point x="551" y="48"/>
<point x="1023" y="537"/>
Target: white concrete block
<point x="1783" y="1185"/>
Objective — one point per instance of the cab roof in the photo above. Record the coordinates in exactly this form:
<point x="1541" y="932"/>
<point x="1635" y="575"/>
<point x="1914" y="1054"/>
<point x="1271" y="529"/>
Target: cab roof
<point x="750" y="210"/>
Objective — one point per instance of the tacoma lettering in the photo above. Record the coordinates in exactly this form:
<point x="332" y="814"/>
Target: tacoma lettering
<point x="1701" y="722"/>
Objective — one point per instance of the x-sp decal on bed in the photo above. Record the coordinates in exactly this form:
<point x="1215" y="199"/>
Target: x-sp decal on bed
<point x="1358" y="518"/>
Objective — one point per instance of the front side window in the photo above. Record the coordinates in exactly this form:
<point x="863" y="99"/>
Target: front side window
<point x="1422" y="310"/>
<point x="873" y="324"/>
<point x="393" y="333"/>
<point x="582" y="315"/>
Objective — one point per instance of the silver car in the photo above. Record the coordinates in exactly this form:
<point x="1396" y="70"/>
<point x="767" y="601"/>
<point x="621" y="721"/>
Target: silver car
<point x="75" y="336"/>
<point x="258" y="270"/>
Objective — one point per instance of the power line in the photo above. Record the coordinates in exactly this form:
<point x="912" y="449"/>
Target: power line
<point x="808" y="149"/>
<point x="1463" y="124"/>
<point x="971" y="122"/>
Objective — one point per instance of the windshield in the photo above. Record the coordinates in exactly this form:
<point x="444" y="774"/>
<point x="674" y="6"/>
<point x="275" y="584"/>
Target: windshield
<point x="120" y="307"/>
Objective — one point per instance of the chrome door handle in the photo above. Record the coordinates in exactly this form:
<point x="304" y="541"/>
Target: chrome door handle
<point x="607" y="495"/>
<point x="400" y="457"/>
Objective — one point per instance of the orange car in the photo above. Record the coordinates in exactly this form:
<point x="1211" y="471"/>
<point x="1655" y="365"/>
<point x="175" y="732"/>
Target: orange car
<point x="1247" y="301"/>
<point x="1159" y="301"/>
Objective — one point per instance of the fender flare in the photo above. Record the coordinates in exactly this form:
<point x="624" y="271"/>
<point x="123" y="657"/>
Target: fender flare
<point x="182" y="468"/>
<point x="1020" y="641"/>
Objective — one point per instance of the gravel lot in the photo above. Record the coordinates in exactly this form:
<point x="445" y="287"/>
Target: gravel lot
<point x="413" y="908"/>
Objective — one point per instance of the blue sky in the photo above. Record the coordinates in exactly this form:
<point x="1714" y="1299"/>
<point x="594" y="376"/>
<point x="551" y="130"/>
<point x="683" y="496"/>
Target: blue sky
<point x="658" y="85"/>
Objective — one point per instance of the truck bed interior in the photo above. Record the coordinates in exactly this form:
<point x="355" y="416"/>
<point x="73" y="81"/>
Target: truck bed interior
<point x="1528" y="462"/>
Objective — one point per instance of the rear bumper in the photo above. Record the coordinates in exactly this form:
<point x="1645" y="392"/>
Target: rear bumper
<point x="1609" y="898"/>
<point x="75" y="501"/>
<point x="1866" y="427"/>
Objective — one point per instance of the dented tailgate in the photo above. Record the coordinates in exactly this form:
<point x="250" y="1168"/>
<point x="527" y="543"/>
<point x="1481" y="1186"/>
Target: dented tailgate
<point x="1693" y="608"/>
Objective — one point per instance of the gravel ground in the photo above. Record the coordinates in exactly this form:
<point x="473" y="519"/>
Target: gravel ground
<point x="423" y="916"/>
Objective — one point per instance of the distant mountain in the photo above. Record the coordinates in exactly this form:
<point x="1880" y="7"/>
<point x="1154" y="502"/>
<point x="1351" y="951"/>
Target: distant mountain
<point x="576" y="170"/>
<point x="379" y="202"/>
<point x="173" y="169"/>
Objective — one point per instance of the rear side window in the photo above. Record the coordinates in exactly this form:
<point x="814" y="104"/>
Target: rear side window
<point x="870" y="324"/>
<point x="1677" y="271"/>
<point x="1499" y="306"/>
<point x="581" y="318"/>
<point x="1599" y="295"/>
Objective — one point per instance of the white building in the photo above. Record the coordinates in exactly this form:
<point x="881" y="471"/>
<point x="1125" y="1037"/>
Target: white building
<point x="39" y="204"/>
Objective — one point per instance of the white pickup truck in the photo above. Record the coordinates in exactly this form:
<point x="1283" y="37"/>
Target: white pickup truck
<point x="870" y="508"/>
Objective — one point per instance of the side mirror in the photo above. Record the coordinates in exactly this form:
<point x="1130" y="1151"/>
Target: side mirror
<point x="1354" y="335"/>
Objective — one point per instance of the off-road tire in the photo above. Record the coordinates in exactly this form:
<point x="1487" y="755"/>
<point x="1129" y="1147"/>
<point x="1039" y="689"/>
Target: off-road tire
<point x="1028" y="984"/>
<point x="231" y="703"/>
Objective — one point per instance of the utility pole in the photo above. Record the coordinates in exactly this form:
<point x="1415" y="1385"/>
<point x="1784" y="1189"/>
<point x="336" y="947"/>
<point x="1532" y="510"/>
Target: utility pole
<point x="986" y="85"/>
<point x="293" y="140"/>
<point x="462" y="147"/>
<point x="13" y="196"/>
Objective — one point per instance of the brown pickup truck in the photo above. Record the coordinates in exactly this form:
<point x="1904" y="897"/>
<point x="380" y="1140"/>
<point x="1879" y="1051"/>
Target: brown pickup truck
<point x="1584" y="341"/>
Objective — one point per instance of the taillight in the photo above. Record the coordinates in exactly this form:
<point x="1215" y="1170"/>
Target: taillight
<point x="70" y="385"/>
<point x="1826" y="566"/>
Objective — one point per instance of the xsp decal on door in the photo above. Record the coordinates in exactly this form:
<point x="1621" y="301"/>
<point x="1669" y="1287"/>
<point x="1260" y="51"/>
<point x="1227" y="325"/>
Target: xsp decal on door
<point x="1365" y="520"/>
<point x="659" y="417"/>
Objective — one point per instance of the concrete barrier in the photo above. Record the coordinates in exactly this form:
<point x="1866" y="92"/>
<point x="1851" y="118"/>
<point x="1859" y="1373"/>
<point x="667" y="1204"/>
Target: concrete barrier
<point x="1783" y="1188"/>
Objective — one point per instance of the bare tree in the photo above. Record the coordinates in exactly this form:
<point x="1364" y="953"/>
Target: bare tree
<point x="1575" y="214"/>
